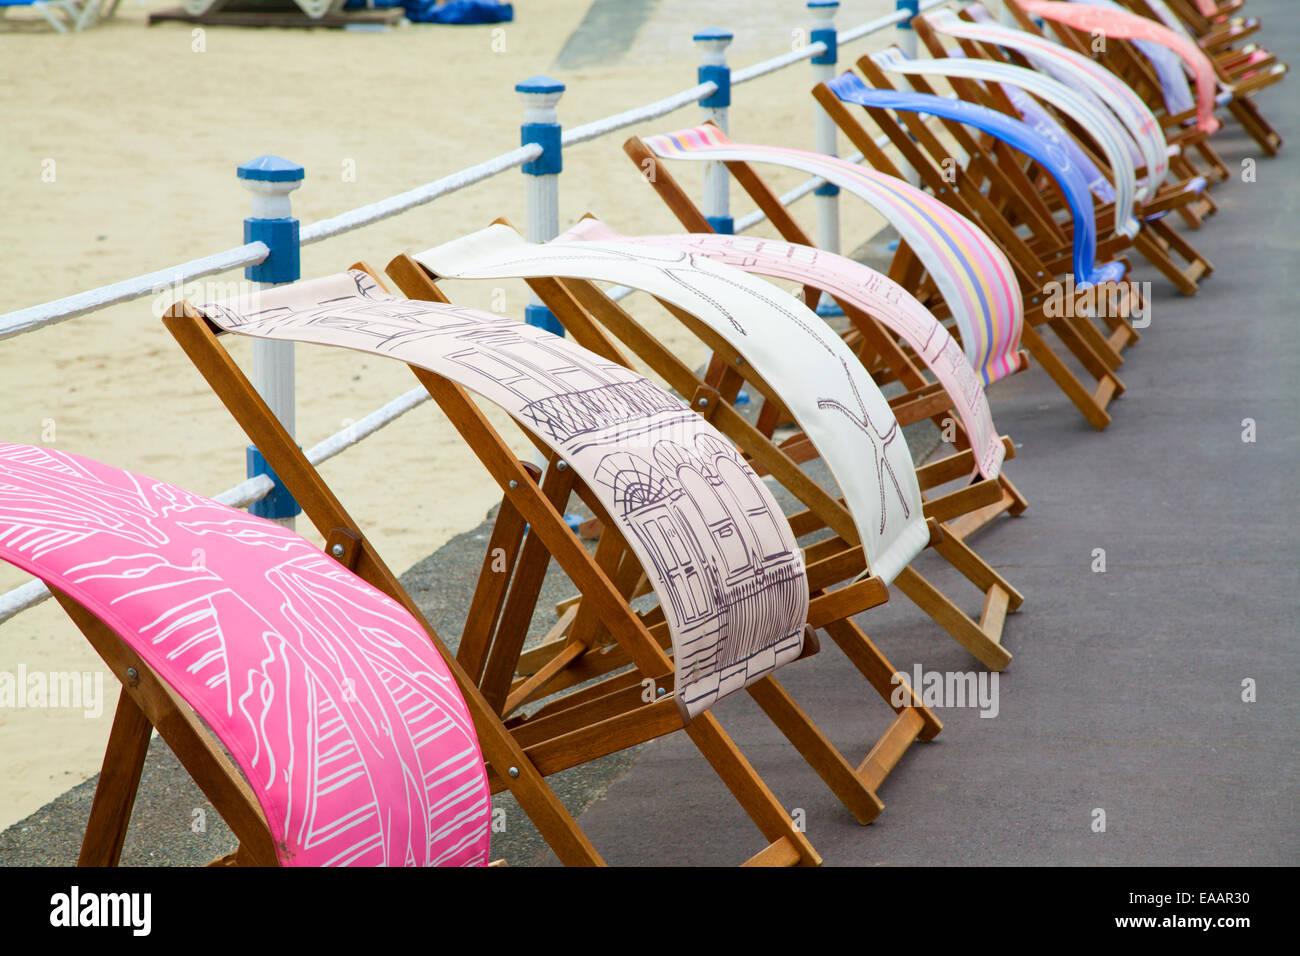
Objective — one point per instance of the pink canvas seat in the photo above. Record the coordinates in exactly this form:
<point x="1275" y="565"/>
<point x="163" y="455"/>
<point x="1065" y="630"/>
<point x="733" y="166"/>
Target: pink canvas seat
<point x="339" y="713"/>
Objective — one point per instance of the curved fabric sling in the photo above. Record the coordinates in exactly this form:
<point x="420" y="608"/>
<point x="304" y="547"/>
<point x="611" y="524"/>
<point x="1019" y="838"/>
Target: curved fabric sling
<point x="820" y="380"/>
<point x="1032" y="112"/>
<point x="340" y="714"/>
<point x="1124" y="25"/>
<point x="1097" y="121"/>
<point x="850" y="89"/>
<point x="972" y="273"/>
<point x="1174" y="87"/>
<point x="871" y="291"/>
<point x="1081" y="75"/>
<point x="1170" y="19"/>
<point x="712" y="541"/>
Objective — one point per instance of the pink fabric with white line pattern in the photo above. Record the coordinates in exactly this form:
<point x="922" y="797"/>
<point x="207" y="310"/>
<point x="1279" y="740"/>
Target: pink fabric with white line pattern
<point x="328" y="694"/>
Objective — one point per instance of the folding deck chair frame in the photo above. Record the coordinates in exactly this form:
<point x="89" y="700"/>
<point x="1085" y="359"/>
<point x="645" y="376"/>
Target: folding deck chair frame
<point x="583" y="725"/>
<point x="151" y="615"/>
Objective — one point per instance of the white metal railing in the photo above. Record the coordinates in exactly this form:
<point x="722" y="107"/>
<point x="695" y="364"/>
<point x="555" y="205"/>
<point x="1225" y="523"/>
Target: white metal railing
<point x="542" y="203"/>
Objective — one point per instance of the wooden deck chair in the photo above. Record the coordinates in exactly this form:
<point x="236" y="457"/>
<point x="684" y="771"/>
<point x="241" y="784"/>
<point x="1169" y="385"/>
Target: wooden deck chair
<point x="881" y="544"/>
<point x="1156" y="149"/>
<point x="981" y="36"/>
<point x="1213" y="87"/>
<point x="755" y="326"/>
<point x="879" y="309"/>
<point x="1163" y="70"/>
<point x="600" y="426"/>
<point x="1080" y="90"/>
<point x="1218" y="37"/>
<point x="952" y="266"/>
<point x="838" y="560"/>
<point x="1217" y="28"/>
<point x="265" y="665"/>
<point x="1013" y="193"/>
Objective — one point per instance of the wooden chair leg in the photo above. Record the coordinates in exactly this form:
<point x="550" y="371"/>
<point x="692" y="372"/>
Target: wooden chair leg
<point x="787" y="846"/>
<point x="986" y="647"/>
<point x="976" y="570"/>
<point x="1074" y="390"/>
<point x="1198" y="266"/>
<point x="815" y="748"/>
<point x="1218" y="171"/>
<point x="119" y="778"/>
<point x="1184" y="280"/>
<point x="1252" y="121"/>
<point x="1011" y="502"/>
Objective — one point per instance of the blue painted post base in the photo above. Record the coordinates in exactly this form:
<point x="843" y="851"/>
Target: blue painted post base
<point x="543" y="318"/>
<point x="829" y="309"/>
<point x="279" y="503"/>
<point x="722" y="225"/>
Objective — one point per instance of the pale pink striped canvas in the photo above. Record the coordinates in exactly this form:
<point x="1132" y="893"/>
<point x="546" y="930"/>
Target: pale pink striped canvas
<point x="328" y="694"/>
<point x="973" y="274"/>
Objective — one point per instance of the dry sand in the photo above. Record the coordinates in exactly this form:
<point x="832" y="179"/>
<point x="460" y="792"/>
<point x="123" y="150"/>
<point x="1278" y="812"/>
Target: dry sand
<point x="142" y="133"/>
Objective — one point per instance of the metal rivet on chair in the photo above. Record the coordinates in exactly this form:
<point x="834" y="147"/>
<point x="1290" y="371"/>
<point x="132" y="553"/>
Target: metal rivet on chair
<point x="132" y="676"/>
<point x="513" y="483"/>
<point x="562" y="465"/>
<point x="336" y="550"/>
<point x="513" y="771"/>
<point x="703" y="403"/>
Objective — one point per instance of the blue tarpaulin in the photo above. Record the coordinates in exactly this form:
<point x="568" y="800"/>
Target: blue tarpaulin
<point x="453" y="11"/>
<point x="459" y="11"/>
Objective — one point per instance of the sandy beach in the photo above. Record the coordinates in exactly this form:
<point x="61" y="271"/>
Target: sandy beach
<point x="122" y="161"/>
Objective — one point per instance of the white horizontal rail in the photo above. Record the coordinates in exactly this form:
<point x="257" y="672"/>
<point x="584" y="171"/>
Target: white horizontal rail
<point x="777" y="63"/>
<point x="384" y="208"/>
<point x="48" y="313"/>
<point x="880" y="23"/>
<point x="580" y="134"/>
<point x="253" y="489"/>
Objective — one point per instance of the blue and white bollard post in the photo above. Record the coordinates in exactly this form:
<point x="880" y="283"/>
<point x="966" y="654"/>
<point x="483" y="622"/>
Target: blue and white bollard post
<point x="542" y="126"/>
<point x="713" y="67"/>
<point x="825" y="137"/>
<point x="905" y="37"/>
<point x="271" y="220"/>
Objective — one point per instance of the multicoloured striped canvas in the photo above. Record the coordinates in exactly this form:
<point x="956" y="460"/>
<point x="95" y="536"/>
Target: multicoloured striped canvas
<point x="972" y="273"/>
